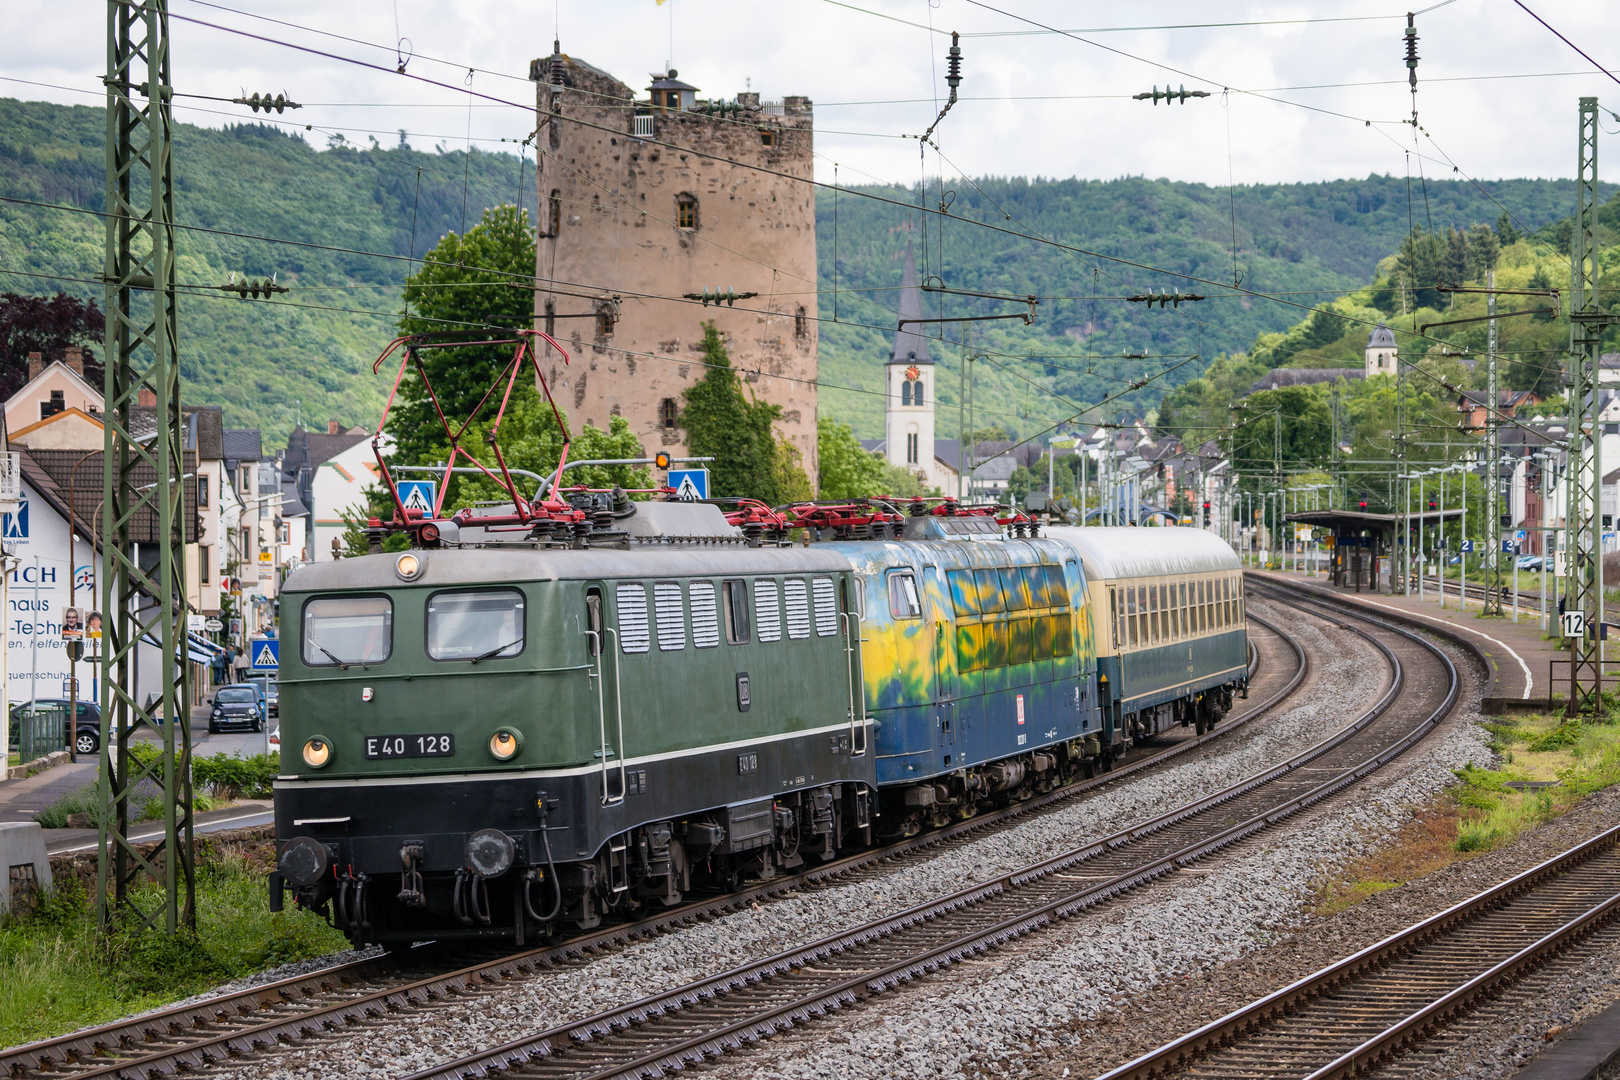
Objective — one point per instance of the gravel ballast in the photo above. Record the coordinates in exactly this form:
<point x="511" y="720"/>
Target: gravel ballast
<point x="1349" y="674"/>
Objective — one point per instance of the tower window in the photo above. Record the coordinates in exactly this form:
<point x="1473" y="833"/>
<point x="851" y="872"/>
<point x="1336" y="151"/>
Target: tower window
<point x="551" y="318"/>
<point x="686" y="211"/>
<point x="668" y="413"/>
<point x="767" y="137"/>
<point x="604" y="321"/>
<point x="911" y="448"/>
<point x="905" y="393"/>
<point x="801" y="323"/>
<point x="554" y="213"/>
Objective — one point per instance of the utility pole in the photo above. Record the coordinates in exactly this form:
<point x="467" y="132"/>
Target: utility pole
<point x="1493" y="451"/>
<point x="142" y="602"/>
<point x="1583" y="520"/>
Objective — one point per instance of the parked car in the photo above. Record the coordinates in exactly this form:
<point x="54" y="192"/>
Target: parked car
<point x="1530" y="562"/>
<point x="238" y="705"/>
<point x="87" y="731"/>
<point x="275" y="739"/>
<point x="269" y="690"/>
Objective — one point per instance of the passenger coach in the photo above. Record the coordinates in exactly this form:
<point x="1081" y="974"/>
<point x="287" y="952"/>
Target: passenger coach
<point x="1172" y="640"/>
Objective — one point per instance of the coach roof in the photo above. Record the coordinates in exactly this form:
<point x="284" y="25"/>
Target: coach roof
<point x="1147" y="552"/>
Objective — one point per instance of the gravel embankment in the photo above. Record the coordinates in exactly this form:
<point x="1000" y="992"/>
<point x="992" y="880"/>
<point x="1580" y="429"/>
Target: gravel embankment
<point x="1133" y="975"/>
<point x="1349" y="675"/>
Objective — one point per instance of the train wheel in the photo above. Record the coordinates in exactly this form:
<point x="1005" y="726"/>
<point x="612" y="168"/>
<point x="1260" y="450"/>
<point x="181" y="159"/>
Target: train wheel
<point x="1108" y="761"/>
<point x="1203" y="725"/>
<point x="1088" y="768"/>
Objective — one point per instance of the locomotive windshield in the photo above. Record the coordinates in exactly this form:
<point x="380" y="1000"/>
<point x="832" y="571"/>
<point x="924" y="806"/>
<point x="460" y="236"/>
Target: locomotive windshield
<point x="339" y="631"/>
<point x="475" y="626"/>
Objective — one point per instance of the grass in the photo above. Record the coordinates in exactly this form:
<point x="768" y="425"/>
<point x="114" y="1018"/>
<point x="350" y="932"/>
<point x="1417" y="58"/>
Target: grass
<point x="1483" y="812"/>
<point x="56" y="977"/>
<point x="147" y="800"/>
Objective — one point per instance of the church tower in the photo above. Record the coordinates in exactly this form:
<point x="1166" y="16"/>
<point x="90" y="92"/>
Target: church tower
<point x="1381" y="351"/>
<point x="908" y="414"/>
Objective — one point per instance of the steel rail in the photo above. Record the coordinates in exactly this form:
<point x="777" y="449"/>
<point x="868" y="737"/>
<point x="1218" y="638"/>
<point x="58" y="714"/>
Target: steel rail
<point x="1406" y="1029"/>
<point x="757" y="990"/>
<point x="163" y="1041"/>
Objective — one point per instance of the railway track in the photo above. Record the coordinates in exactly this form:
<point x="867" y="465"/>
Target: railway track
<point x="1390" y="999"/>
<point x="704" y="1019"/>
<point x="250" y="1021"/>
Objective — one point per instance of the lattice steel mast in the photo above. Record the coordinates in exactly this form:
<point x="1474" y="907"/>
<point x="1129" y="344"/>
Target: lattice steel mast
<point x="143" y="520"/>
<point x="1583" y="522"/>
<point x="1493" y="456"/>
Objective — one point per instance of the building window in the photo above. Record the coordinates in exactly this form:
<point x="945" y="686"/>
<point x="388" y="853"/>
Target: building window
<point x="202" y="492"/>
<point x="53" y="406"/>
<point x="668" y="413"/>
<point x="203" y="559"/>
<point x="551" y="318"/>
<point x="767" y="137"/>
<point x="554" y="213"/>
<point x="911" y="448"/>
<point x="606" y="316"/>
<point x="686" y="211"/>
<point x="801" y="323"/>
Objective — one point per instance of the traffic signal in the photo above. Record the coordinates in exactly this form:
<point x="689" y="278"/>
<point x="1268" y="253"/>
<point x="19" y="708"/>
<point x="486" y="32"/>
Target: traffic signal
<point x="1206" y="513"/>
<point x="1431" y="504"/>
<point x="661" y="460"/>
<point x="1362" y="504"/>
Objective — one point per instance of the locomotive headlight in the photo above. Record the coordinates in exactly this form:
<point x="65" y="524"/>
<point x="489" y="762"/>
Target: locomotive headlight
<point x="317" y="752"/>
<point x="408" y="566"/>
<point x="505" y="744"/>
<point x="490" y="852"/>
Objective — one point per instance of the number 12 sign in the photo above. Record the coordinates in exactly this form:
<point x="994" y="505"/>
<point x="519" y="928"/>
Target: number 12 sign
<point x="1574" y="623"/>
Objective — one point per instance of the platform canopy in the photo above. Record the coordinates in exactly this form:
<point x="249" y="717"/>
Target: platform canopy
<point x="1364" y="519"/>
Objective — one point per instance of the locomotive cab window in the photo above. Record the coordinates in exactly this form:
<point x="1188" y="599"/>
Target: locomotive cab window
<point x="905" y="602"/>
<point x="475" y="626"/>
<point x="339" y="631"/>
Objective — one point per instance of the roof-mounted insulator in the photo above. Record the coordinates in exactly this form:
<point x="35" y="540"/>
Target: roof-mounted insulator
<point x="556" y="67"/>
<point x="1169" y="95"/>
<point x="953" y="71"/>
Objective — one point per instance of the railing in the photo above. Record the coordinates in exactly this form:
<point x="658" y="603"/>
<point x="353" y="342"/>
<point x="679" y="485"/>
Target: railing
<point x="643" y="128"/>
<point x="41" y="731"/>
<point x="772" y="108"/>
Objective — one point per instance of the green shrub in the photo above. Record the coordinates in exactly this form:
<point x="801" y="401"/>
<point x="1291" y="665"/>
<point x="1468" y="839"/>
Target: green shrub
<point x="86" y="800"/>
<point x="231" y="778"/>
<point x="1566" y="734"/>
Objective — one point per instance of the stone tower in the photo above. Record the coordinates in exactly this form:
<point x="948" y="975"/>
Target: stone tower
<point x="1381" y="351"/>
<point x="643" y="199"/>
<point x="908" y="410"/>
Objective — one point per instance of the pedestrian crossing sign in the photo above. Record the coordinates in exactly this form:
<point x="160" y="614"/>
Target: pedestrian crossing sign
<point x="691" y="485"/>
<point x="266" y="654"/>
<point x="418" y="495"/>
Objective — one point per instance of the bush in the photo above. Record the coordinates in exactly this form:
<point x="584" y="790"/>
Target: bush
<point x="231" y="778"/>
<point x="1567" y="734"/>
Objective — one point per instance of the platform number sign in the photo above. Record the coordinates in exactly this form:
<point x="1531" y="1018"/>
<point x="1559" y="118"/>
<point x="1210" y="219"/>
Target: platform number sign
<point x="691" y="485"/>
<point x="418" y="495"/>
<point x="1574" y="623"/>
<point x="1468" y="546"/>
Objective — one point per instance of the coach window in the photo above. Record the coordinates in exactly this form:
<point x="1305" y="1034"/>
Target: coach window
<point x="1113" y="615"/>
<point x="735" y="594"/>
<point x="990" y="598"/>
<point x="339" y="631"/>
<point x="904" y="600"/>
<point x="475" y="626"/>
<point x="964" y="593"/>
<point x="1130" y="612"/>
<point x="593" y="620"/>
<point x="1152" y="636"/>
<point x="1189" y="619"/>
<point x="1012" y="587"/>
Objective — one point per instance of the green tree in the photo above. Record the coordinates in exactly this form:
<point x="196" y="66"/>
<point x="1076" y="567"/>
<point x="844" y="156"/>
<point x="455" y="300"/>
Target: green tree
<point x="847" y="469"/>
<point x="1020" y="483"/>
<point x="1418" y="267"/>
<point x="448" y="294"/>
<point x="1280" y="431"/>
<point x="735" y="430"/>
<point x="1484" y="249"/>
<point x="1505" y="229"/>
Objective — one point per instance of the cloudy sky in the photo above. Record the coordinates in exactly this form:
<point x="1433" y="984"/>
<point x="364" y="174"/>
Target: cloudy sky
<point x="1497" y="91"/>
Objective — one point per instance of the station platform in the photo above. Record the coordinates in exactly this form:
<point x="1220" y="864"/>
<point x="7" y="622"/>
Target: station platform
<point x="1520" y="655"/>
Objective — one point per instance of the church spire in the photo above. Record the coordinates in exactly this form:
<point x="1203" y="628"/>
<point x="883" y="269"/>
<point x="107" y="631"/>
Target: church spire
<point x="910" y="347"/>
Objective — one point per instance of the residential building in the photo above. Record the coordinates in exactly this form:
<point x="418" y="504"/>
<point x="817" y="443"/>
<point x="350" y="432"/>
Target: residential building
<point x="328" y="476"/>
<point x="52" y="388"/>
